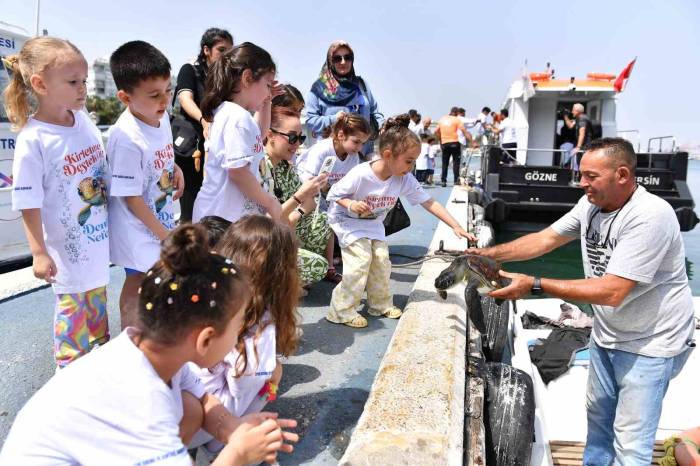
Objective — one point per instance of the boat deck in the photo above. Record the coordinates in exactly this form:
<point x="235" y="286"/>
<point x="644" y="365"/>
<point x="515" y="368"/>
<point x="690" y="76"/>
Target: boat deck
<point x="560" y="422"/>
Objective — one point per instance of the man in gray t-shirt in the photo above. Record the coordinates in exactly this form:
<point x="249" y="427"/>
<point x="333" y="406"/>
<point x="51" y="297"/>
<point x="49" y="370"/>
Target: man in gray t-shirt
<point x="634" y="263"/>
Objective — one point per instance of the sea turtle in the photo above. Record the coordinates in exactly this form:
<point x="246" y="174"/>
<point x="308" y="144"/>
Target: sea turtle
<point x="470" y="266"/>
<point x="92" y="191"/>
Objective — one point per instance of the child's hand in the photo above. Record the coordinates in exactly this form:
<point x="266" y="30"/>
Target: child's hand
<point x="260" y="436"/>
<point x="44" y="267"/>
<point x="178" y="183"/>
<point x="311" y="187"/>
<point x="359" y="207"/>
<point x="460" y="232"/>
<point x="339" y="115"/>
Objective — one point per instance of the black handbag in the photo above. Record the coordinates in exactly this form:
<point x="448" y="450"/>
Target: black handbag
<point x="185" y="137"/>
<point x="396" y="219"/>
<point x="185" y="132"/>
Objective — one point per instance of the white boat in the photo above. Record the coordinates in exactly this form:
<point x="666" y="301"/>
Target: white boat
<point x="560" y="413"/>
<point x="13" y="243"/>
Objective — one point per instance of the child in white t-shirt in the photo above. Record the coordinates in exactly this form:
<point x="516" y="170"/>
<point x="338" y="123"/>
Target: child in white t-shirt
<point x="335" y="155"/>
<point x="422" y="160"/>
<point x="135" y="400"/>
<point x="249" y="375"/>
<point x="432" y="154"/>
<point x="241" y="81"/>
<point x="360" y="201"/>
<point x="59" y="179"/>
<point x="144" y="179"/>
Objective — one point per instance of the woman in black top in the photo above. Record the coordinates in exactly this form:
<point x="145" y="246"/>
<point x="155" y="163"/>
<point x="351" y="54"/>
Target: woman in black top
<point x="189" y="93"/>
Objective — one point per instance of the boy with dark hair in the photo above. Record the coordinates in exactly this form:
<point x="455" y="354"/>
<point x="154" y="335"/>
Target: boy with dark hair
<point x="144" y="178"/>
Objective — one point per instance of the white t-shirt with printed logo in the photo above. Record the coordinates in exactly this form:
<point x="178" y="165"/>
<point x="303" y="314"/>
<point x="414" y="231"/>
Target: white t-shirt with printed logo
<point x="108" y="407"/>
<point x="422" y="160"/>
<point x="310" y="163"/>
<point x="63" y="171"/>
<point x="141" y="162"/>
<point x="361" y="184"/>
<point x="234" y="142"/>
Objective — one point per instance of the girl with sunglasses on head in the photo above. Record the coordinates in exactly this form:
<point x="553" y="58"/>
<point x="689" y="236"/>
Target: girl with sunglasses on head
<point x="339" y="89"/>
<point x="241" y="81"/>
<point x="337" y="154"/>
<point x="297" y="199"/>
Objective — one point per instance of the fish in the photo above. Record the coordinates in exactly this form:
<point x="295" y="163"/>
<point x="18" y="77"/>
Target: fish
<point x="165" y="184"/>
<point x="472" y="267"/>
<point x="93" y="192"/>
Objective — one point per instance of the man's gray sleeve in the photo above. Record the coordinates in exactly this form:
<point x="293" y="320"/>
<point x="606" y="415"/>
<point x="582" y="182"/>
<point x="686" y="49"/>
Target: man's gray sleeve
<point x="570" y="224"/>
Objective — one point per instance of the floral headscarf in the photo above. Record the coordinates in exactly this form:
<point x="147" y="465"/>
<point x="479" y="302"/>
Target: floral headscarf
<point x="332" y="88"/>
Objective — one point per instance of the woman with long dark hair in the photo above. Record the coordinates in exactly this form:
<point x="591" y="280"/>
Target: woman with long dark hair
<point x="189" y="93"/>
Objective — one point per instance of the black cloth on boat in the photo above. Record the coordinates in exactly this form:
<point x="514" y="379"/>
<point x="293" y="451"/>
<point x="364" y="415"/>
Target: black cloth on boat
<point x="534" y="321"/>
<point x="556" y="353"/>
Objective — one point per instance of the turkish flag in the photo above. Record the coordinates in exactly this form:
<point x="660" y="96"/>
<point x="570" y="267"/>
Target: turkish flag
<point x="623" y="76"/>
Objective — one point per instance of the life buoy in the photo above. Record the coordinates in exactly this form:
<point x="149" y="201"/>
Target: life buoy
<point x="540" y="76"/>
<point x="601" y="76"/>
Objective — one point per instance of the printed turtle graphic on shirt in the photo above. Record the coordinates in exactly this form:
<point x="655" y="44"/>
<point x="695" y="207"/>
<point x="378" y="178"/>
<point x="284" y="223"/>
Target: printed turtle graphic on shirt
<point x="165" y="184"/>
<point x="92" y="191"/>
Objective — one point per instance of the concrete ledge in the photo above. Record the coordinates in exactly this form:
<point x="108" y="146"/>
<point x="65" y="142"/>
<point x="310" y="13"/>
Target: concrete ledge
<point x="415" y="411"/>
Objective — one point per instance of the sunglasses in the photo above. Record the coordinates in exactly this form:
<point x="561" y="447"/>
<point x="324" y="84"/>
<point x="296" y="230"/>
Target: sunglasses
<point x="339" y="58"/>
<point x="293" y="138"/>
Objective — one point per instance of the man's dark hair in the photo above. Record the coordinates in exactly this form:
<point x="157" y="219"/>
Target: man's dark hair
<point x="619" y="150"/>
<point x="462" y="111"/>
<point x="412" y="112"/>
<point x="454" y="111"/>
<point x="504" y="112"/>
<point x="137" y="61"/>
<point x="486" y="110"/>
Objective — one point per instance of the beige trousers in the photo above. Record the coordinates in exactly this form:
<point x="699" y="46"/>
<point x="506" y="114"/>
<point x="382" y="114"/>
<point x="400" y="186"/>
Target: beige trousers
<point x="366" y="266"/>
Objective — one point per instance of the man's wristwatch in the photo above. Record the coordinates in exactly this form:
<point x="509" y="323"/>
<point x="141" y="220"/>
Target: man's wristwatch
<point x="536" y="289"/>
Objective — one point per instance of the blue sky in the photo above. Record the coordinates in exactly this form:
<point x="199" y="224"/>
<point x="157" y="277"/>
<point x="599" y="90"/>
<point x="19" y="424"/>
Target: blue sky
<point x="425" y="55"/>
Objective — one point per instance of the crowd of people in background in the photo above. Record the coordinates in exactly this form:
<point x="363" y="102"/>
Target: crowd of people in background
<point x="209" y="306"/>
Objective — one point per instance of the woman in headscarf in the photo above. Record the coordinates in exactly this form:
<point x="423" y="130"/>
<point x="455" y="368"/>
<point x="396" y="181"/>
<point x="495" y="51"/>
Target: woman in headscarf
<point x="339" y="89"/>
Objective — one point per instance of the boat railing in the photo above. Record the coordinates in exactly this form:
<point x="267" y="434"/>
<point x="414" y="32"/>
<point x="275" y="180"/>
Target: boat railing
<point x="661" y="139"/>
<point x="573" y="166"/>
<point x="631" y="131"/>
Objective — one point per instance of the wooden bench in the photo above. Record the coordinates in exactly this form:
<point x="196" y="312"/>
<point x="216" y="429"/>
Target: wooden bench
<point x="571" y="453"/>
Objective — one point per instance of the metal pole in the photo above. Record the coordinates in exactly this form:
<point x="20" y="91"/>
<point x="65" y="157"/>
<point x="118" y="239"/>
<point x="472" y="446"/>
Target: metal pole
<point x="36" y="16"/>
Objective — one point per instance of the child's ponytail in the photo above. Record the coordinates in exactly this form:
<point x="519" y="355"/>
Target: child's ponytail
<point x="396" y="136"/>
<point x="16" y="95"/>
<point x="351" y="124"/>
<point x="224" y="76"/>
<point x="36" y="55"/>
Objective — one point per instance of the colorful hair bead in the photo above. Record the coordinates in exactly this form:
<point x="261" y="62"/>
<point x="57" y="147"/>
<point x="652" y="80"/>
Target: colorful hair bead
<point x="212" y="303"/>
<point x="173" y="286"/>
<point x="157" y="280"/>
<point x="139" y="290"/>
<point x="224" y="270"/>
<point x="194" y="298"/>
<point x="213" y="285"/>
<point x="149" y="273"/>
<point x="170" y="300"/>
<point x="149" y="306"/>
